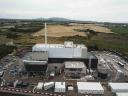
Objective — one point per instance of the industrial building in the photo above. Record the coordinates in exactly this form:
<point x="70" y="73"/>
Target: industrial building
<point x="36" y="61"/>
<point x="42" y="54"/>
<point x="118" y="87"/>
<point x="90" y="88"/>
<point x="104" y="70"/>
<point x="48" y="85"/>
<point x="75" y="69"/>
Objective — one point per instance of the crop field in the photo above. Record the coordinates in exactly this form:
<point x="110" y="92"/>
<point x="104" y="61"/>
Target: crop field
<point x="61" y="30"/>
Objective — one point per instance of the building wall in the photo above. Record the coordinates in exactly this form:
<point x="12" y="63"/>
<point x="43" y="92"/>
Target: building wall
<point x="69" y="72"/>
<point x="94" y="62"/>
<point x="35" y="68"/>
<point x="63" y="52"/>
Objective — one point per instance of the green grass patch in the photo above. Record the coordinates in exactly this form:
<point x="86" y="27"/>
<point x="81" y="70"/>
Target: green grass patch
<point x="122" y="30"/>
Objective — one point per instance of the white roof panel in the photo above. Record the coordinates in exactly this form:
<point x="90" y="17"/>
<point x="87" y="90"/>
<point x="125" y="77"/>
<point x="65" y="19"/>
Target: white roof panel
<point x="119" y="87"/>
<point x="89" y="86"/>
<point x="48" y="83"/>
<point x="121" y="94"/>
<point x="59" y="85"/>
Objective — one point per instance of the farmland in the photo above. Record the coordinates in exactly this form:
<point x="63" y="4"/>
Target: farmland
<point x="59" y="31"/>
<point x="71" y="30"/>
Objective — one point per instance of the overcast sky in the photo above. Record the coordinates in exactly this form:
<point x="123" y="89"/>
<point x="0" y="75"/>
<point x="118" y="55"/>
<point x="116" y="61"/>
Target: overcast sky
<point x="94" y="10"/>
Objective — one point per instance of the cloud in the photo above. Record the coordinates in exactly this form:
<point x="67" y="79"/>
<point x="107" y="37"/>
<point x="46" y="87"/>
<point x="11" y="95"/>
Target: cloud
<point x="96" y="10"/>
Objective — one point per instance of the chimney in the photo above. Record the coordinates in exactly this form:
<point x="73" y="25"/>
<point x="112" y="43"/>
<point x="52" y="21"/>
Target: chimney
<point x="45" y="33"/>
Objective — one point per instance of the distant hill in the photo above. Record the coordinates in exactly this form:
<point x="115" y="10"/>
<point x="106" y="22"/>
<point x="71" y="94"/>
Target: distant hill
<point x="58" y="19"/>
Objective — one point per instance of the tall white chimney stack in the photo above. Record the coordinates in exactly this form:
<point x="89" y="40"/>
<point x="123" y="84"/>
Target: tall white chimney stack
<point x="45" y="33"/>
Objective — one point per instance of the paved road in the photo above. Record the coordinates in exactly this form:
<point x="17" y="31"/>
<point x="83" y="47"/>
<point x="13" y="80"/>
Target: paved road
<point x="28" y="92"/>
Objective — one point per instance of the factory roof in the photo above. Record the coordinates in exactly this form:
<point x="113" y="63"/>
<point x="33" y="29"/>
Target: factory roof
<point x="119" y="87"/>
<point x="36" y="56"/>
<point x="91" y="87"/>
<point x="74" y="64"/>
<point x="121" y="94"/>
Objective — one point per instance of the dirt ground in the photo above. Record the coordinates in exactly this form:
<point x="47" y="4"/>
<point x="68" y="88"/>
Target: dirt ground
<point x="97" y="28"/>
<point x="61" y="30"/>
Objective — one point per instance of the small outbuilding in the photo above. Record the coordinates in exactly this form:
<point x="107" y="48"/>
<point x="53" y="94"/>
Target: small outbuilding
<point x="121" y="94"/>
<point x="48" y="85"/>
<point x="40" y="86"/>
<point x="90" y="88"/>
<point x="60" y="87"/>
<point x="118" y="87"/>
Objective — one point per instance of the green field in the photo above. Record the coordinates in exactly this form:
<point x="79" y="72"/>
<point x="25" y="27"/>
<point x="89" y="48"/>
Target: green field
<point x="122" y="30"/>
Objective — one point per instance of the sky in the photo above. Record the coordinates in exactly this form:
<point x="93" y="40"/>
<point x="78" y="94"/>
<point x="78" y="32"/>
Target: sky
<point x="88" y="10"/>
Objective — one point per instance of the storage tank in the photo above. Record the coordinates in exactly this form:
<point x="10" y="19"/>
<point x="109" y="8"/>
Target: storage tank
<point x="103" y="75"/>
